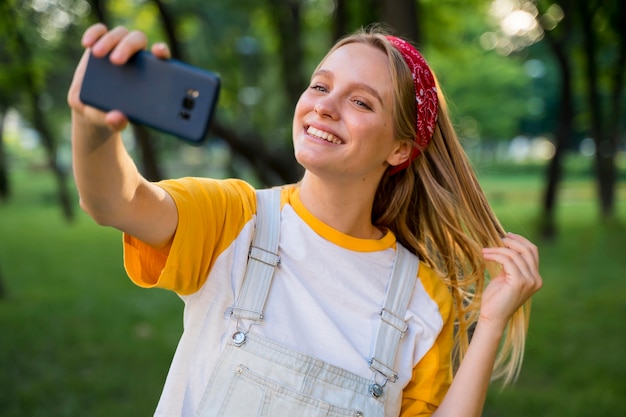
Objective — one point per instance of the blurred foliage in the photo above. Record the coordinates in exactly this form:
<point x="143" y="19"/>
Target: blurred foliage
<point x="265" y="52"/>
<point x="239" y="39"/>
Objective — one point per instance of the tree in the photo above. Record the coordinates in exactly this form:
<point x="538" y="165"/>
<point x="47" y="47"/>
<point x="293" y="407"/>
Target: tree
<point x="5" y="189"/>
<point x="268" y="49"/>
<point x="8" y="94"/>
<point x="605" y="107"/>
<point x="402" y="16"/>
<point x="559" y="40"/>
<point x="28" y="87"/>
<point x="588" y="42"/>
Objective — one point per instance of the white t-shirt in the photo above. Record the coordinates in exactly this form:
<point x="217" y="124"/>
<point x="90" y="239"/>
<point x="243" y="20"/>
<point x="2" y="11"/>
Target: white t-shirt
<point x="324" y="299"/>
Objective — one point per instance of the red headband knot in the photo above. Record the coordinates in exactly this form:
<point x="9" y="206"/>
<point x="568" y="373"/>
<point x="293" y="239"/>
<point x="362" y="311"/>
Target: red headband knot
<point x="426" y="100"/>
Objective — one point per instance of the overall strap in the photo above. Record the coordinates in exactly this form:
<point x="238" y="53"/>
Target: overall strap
<point x="392" y="325"/>
<point x="263" y="258"/>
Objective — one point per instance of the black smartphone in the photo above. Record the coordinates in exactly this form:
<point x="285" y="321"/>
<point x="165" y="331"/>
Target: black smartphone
<point x="167" y="95"/>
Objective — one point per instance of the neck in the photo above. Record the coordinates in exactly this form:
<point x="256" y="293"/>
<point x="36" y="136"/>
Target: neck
<point x="346" y="208"/>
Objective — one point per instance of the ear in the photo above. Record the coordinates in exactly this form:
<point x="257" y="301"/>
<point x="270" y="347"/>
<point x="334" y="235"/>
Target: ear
<point x="400" y="153"/>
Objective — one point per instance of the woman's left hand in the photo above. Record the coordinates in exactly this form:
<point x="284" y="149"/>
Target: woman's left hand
<point x="518" y="280"/>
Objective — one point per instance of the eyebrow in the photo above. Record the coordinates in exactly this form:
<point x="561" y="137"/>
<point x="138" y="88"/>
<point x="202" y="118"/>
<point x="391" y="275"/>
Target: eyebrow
<point x="356" y="85"/>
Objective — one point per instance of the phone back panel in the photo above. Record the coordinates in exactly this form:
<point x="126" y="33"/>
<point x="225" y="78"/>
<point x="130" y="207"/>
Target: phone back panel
<point x="167" y="95"/>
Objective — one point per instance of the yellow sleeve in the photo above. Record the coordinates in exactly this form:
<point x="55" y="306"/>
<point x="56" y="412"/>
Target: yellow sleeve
<point x="211" y="214"/>
<point x="432" y="376"/>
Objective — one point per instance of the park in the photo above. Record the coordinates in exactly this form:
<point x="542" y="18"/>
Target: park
<point x="540" y="112"/>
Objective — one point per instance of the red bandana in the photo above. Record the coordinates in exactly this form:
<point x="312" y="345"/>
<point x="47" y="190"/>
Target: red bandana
<point x="425" y="97"/>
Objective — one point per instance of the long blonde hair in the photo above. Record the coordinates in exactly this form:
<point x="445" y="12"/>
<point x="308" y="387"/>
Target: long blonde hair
<point x="437" y="210"/>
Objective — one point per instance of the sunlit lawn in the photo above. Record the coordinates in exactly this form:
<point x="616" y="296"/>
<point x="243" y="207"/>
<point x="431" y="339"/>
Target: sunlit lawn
<point x="575" y="359"/>
<point x="78" y="339"/>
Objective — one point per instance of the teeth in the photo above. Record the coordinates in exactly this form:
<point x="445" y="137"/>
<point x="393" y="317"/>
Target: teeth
<point x="323" y="135"/>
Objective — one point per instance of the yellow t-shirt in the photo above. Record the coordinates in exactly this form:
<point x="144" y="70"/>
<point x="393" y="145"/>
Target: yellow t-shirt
<point x="338" y="280"/>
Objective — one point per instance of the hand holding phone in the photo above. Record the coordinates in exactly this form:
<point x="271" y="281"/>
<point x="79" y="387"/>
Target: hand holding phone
<point x="167" y="95"/>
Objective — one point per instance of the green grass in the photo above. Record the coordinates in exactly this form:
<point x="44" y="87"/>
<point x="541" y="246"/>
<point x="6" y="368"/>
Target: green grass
<point x="79" y="339"/>
<point x="575" y="357"/>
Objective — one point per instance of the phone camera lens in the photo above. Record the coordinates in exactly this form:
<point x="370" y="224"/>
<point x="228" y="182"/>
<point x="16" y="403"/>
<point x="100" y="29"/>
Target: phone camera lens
<point x="185" y="115"/>
<point x="192" y="92"/>
<point x="188" y="103"/>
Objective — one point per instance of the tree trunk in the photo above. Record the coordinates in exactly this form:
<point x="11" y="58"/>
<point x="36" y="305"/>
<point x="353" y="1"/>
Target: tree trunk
<point x="287" y="22"/>
<point x="99" y="11"/>
<point x="45" y="133"/>
<point x="150" y="167"/>
<point x="169" y="27"/>
<point x="5" y="188"/>
<point x="340" y="20"/>
<point x="615" y="123"/>
<point x="402" y="16"/>
<point x="605" y="148"/>
<point x="38" y="120"/>
<point x="349" y="17"/>
<point x="564" y="127"/>
<point x="3" y="291"/>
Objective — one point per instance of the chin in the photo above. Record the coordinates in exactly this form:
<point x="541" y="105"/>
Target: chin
<point x="302" y="159"/>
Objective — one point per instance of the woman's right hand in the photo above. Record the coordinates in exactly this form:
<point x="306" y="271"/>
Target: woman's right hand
<point x="120" y="44"/>
<point x="111" y="188"/>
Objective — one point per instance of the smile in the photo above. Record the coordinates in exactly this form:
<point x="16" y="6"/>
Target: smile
<point x="329" y="137"/>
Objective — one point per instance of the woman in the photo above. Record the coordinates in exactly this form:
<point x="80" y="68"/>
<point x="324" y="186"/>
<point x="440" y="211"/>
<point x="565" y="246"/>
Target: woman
<point x="384" y="171"/>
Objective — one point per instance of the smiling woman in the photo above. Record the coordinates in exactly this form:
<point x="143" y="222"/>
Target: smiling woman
<point x="349" y="100"/>
<point x="339" y="294"/>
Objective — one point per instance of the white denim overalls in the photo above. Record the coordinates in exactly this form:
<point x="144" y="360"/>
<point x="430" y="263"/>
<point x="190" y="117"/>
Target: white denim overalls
<point x="257" y="377"/>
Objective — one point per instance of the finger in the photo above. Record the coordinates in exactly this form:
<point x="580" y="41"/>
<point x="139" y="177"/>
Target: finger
<point x="512" y="262"/>
<point x="128" y="46"/>
<point x="116" y="120"/>
<point x="108" y="41"/>
<point x="514" y="266"/>
<point x="524" y="246"/>
<point x="527" y="243"/>
<point x="505" y="257"/>
<point x="161" y="50"/>
<point x="92" y="34"/>
<point x="73" y="98"/>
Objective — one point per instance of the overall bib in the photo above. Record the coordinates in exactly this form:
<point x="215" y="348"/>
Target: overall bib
<point x="257" y="377"/>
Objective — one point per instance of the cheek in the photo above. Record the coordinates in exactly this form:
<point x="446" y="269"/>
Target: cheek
<point x="305" y="103"/>
<point x="301" y="108"/>
<point x="298" y="114"/>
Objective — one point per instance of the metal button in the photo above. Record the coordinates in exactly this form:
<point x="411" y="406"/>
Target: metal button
<point x="239" y="370"/>
<point x="376" y="390"/>
<point x="239" y="338"/>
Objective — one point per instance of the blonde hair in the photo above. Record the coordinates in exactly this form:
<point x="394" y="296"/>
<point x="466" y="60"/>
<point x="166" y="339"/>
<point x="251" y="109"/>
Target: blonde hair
<point x="437" y="210"/>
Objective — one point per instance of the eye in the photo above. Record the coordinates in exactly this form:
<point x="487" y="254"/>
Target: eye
<point x="361" y="103"/>
<point x="318" y="87"/>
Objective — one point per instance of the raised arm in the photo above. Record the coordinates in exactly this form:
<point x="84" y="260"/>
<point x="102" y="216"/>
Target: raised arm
<point x="507" y="292"/>
<point x="111" y="189"/>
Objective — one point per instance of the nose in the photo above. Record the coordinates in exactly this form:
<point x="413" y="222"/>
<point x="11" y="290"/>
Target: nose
<point x="326" y="107"/>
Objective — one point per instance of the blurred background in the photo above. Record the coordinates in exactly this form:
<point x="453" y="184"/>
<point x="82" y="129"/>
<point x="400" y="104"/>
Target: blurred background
<point x="536" y="90"/>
